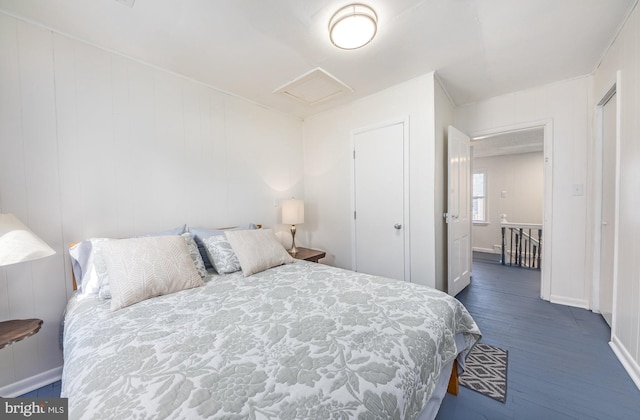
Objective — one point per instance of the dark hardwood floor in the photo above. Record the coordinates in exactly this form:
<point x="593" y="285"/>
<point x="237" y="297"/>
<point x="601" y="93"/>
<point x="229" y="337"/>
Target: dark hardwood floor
<point x="560" y="362"/>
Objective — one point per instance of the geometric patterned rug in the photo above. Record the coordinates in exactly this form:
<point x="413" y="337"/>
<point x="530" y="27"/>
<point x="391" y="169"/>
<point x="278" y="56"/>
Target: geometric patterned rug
<point x="486" y="371"/>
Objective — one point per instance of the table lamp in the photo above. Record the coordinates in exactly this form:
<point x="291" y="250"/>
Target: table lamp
<point x="19" y="244"/>
<point x="293" y="214"/>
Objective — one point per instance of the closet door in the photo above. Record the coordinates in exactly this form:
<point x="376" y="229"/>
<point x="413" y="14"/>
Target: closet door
<point x="380" y="225"/>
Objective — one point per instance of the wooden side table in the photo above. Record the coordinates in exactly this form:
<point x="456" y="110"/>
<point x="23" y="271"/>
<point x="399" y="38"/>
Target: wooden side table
<point x="309" y="254"/>
<point x="18" y="329"/>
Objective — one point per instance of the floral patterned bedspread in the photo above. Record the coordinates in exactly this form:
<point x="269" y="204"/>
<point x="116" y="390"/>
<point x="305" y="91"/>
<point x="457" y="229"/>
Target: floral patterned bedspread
<point x="299" y="341"/>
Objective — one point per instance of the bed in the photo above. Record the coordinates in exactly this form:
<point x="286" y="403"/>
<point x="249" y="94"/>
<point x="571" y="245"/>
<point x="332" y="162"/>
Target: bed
<point x="294" y="340"/>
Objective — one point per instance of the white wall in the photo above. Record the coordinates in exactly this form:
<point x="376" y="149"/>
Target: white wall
<point x="624" y="56"/>
<point x="521" y="177"/>
<point x="95" y="144"/>
<point x="569" y="106"/>
<point x="328" y="166"/>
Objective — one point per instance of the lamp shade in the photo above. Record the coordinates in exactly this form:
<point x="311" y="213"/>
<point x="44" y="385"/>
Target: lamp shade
<point x="292" y="212"/>
<point x="18" y="243"/>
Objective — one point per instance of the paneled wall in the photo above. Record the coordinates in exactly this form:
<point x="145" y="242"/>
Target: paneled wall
<point x="624" y="56"/>
<point x="520" y="177"/>
<point x="96" y="144"/>
<point x="328" y="171"/>
<point x="568" y="105"/>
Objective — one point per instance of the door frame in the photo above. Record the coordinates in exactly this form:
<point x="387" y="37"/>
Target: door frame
<point x="407" y="221"/>
<point x="547" y="218"/>
<point x="597" y="192"/>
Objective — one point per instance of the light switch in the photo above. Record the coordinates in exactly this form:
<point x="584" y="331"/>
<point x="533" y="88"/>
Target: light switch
<point x="503" y="194"/>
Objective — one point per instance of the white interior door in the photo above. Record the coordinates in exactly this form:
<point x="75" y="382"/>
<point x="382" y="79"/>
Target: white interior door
<point x="379" y="201"/>
<point x="607" y="242"/>
<point x="459" y="211"/>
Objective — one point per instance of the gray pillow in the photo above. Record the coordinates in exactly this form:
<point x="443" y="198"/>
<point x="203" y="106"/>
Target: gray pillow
<point x="221" y="254"/>
<point x="200" y="233"/>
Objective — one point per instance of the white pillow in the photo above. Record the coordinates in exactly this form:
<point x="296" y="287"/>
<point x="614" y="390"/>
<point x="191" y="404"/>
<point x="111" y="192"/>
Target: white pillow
<point x="257" y="250"/>
<point x="83" y="261"/>
<point x="90" y="278"/>
<point x="103" y="275"/>
<point x="141" y="268"/>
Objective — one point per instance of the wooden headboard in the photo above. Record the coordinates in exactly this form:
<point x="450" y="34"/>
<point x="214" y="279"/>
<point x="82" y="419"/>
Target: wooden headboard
<point x="73" y="274"/>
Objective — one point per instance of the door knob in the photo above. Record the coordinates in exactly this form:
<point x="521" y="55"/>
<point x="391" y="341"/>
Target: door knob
<point x="397" y="226"/>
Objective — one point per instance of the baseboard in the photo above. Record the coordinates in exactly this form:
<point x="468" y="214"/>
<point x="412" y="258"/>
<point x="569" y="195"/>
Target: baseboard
<point x="32" y="383"/>
<point x="563" y="300"/>
<point x="630" y="365"/>
<point x="485" y="250"/>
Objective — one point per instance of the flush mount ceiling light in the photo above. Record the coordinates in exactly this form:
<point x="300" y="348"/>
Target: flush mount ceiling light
<point x="353" y="26"/>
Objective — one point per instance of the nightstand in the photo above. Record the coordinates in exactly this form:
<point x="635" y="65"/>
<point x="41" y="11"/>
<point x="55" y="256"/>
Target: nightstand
<point x="308" y="254"/>
<point x="18" y="329"/>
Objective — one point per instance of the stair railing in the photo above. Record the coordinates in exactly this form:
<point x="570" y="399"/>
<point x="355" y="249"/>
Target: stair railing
<point x="521" y="244"/>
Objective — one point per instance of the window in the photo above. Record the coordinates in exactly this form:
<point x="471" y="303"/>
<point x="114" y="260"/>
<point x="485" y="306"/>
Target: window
<point x="479" y="209"/>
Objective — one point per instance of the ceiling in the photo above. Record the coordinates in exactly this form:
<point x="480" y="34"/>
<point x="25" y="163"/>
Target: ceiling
<point x="509" y="143"/>
<point x="251" y="48"/>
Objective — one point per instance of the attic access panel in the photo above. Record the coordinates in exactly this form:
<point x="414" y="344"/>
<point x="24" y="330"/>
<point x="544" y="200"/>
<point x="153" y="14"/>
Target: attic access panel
<point x="313" y="87"/>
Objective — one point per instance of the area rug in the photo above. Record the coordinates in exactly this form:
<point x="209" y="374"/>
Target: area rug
<point x="486" y="371"/>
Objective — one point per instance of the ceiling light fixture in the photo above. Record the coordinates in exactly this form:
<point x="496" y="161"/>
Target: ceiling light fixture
<point x="353" y="26"/>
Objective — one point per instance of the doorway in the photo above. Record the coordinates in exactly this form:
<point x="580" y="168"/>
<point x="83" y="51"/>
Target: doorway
<point x="512" y="189"/>
<point x="606" y="216"/>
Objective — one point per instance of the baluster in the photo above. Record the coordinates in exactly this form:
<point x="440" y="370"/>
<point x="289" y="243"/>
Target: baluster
<point x="511" y="246"/>
<point x="517" y="239"/>
<point x="529" y="245"/>
<point x="502" y="256"/>
<point x="521" y="244"/>
<point x="539" y="247"/>
<point x="526" y="249"/>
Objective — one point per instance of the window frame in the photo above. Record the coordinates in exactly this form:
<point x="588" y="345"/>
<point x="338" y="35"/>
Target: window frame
<point x="484" y="197"/>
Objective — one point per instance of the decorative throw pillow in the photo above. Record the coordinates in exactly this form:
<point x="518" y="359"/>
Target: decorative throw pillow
<point x="141" y="268"/>
<point x="257" y="250"/>
<point x="103" y="277"/>
<point x="91" y="278"/>
<point x="199" y="234"/>
<point x="221" y="254"/>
